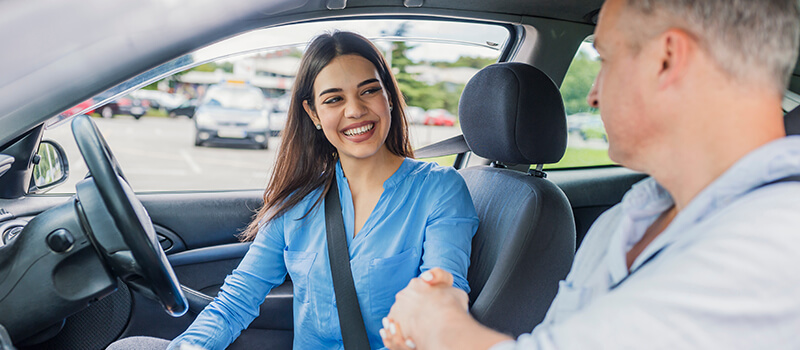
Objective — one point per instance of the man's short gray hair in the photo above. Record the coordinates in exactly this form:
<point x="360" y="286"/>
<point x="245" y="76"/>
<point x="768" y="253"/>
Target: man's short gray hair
<point x="745" y="37"/>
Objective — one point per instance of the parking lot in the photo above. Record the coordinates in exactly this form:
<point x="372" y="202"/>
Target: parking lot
<point x="158" y="154"/>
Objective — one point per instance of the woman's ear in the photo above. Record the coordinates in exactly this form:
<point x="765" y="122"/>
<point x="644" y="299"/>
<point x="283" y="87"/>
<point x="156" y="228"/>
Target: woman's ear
<point x="310" y="112"/>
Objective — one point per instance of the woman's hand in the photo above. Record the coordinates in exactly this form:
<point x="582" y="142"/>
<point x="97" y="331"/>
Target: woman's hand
<point x="393" y="338"/>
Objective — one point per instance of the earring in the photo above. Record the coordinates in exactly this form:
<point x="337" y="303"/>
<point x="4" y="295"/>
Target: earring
<point x="391" y="108"/>
<point x="318" y="126"/>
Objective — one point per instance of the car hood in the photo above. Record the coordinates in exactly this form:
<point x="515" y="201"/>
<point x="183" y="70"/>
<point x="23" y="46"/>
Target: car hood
<point x="62" y="52"/>
<point x="230" y="114"/>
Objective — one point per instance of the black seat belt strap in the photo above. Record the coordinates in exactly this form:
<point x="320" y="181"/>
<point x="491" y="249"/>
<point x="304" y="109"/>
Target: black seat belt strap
<point x="354" y="333"/>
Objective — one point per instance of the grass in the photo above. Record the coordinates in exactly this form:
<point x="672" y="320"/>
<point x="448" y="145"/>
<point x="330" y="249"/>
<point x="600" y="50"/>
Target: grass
<point x="573" y="158"/>
<point x="582" y="157"/>
<point x="443" y="160"/>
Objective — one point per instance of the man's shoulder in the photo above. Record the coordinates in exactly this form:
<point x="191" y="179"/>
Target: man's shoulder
<point x="775" y="206"/>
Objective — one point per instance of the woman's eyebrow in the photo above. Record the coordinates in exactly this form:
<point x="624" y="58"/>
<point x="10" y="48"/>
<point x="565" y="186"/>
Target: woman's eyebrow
<point x="365" y="82"/>
<point x="368" y="81"/>
<point x="329" y="91"/>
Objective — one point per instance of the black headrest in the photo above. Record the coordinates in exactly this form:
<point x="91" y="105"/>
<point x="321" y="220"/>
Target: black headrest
<point x="791" y="121"/>
<point x="513" y="113"/>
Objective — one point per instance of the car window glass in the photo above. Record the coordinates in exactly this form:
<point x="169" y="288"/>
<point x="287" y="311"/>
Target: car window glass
<point x="218" y="125"/>
<point x="587" y="142"/>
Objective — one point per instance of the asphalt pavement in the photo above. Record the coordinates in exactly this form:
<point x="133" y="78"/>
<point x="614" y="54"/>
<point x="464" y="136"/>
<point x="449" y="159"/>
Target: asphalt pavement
<point x="158" y="154"/>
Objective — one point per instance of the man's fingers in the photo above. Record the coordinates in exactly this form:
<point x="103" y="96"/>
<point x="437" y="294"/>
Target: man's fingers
<point x="437" y="277"/>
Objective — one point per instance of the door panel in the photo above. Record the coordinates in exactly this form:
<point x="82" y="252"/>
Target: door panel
<point x="204" y="229"/>
<point x="591" y="191"/>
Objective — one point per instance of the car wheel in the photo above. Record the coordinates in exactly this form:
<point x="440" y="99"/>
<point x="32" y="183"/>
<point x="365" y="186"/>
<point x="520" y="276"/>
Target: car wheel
<point x="173" y="115"/>
<point x="197" y="141"/>
<point x="137" y="116"/>
<point x="107" y="112"/>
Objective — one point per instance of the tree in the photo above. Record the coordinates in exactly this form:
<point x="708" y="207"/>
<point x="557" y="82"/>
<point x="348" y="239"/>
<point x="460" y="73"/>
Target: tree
<point x="578" y="82"/>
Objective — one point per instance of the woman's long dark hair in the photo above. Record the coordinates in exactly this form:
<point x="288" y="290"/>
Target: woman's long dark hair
<point x="307" y="160"/>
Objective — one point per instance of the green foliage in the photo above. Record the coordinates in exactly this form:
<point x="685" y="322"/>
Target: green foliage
<point x="466" y="61"/>
<point x="578" y="82"/>
<point x="440" y="95"/>
<point x="399" y="59"/>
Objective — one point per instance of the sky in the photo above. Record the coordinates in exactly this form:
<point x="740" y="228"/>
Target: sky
<point x="469" y="39"/>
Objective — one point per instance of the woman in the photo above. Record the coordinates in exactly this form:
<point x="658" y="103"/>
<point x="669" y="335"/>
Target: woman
<point x="401" y="216"/>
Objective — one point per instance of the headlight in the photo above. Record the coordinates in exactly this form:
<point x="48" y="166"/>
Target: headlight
<point x="204" y="120"/>
<point x="260" y="123"/>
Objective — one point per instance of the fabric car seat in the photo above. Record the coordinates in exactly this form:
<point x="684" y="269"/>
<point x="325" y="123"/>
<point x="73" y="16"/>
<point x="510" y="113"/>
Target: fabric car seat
<point x="513" y="114"/>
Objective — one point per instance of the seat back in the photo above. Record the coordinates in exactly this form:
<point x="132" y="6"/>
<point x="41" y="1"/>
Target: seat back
<point x="512" y="113"/>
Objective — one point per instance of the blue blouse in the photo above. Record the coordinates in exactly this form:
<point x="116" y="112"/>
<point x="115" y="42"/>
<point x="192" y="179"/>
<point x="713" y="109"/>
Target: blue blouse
<point x="424" y="219"/>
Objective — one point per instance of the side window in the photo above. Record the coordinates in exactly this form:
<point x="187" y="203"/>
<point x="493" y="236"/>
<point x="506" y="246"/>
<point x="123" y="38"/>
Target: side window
<point x="587" y="142"/>
<point x="219" y="125"/>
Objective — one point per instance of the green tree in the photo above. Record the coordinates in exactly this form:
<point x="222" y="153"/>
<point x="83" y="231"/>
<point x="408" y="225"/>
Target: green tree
<point x="578" y="82"/>
<point x="466" y="61"/>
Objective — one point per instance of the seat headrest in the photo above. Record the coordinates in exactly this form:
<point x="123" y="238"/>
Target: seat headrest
<point x="791" y="121"/>
<point x="513" y="113"/>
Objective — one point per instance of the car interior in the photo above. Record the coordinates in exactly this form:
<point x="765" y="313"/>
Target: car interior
<point x="81" y="270"/>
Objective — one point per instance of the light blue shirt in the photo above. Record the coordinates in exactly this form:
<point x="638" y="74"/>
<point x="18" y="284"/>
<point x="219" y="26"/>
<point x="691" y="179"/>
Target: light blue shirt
<point x="424" y="219"/>
<point x="727" y="275"/>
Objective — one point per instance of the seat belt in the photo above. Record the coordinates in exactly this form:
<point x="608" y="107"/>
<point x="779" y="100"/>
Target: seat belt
<point x="354" y="333"/>
<point x="453" y="145"/>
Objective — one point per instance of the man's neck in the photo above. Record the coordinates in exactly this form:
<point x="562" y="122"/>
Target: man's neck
<point x="703" y="152"/>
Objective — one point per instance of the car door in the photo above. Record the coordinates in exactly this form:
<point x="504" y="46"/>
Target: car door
<point x="201" y="196"/>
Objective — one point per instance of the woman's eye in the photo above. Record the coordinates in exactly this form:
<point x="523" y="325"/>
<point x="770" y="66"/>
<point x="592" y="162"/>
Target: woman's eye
<point x="371" y="90"/>
<point x="332" y="100"/>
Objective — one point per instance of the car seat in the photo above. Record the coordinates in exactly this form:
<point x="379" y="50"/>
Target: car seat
<point x="513" y="114"/>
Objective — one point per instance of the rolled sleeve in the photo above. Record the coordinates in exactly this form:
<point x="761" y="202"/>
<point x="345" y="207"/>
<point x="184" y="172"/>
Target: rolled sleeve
<point x="450" y="228"/>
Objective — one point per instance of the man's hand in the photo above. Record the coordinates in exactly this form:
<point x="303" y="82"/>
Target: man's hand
<point x="427" y="302"/>
<point x="434" y="315"/>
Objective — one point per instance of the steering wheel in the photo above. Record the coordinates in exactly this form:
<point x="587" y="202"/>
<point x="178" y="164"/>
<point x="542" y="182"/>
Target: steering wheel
<point x="137" y="257"/>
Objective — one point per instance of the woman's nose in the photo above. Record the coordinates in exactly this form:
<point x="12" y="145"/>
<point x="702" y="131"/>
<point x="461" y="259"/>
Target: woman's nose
<point x="355" y="108"/>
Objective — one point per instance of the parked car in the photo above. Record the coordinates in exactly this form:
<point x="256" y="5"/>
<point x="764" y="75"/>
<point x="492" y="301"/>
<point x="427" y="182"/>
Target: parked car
<point x="439" y="117"/>
<point x="415" y="115"/>
<point x="278" y="114"/>
<point x="587" y="125"/>
<point x="159" y="99"/>
<point x="124" y="105"/>
<point x="186" y="108"/>
<point x="83" y="107"/>
<point x="232" y="113"/>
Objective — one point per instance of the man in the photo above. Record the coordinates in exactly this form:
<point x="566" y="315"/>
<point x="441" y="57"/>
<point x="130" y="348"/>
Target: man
<point x="705" y="253"/>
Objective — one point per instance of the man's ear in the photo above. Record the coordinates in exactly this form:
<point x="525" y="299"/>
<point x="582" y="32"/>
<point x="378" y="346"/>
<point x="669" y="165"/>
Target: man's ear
<point x="675" y="48"/>
<point x="310" y="112"/>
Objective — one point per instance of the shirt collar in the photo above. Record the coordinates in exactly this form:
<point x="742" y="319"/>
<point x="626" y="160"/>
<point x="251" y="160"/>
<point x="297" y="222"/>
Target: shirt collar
<point x="405" y="168"/>
<point x="647" y="199"/>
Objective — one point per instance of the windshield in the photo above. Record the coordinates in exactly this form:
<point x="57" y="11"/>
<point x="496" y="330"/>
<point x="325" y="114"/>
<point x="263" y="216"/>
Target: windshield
<point x="233" y="98"/>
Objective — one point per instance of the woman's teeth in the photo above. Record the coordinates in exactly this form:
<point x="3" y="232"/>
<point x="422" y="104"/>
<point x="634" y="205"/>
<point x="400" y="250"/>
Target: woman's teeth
<point x="359" y="131"/>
